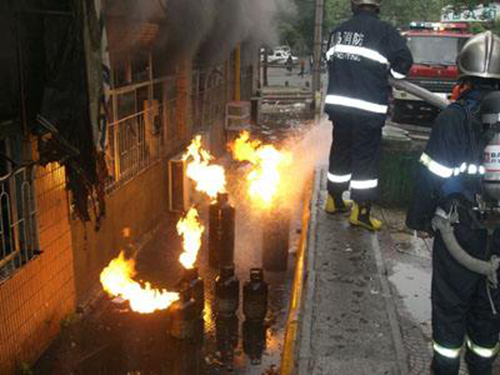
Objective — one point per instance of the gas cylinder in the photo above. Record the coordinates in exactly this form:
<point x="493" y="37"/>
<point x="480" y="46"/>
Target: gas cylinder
<point x="254" y="340"/>
<point x="226" y="336"/>
<point x="192" y="283"/>
<point x="186" y="359"/>
<point x="221" y="232"/>
<point x="255" y="296"/>
<point x="183" y="317"/>
<point x="227" y="292"/>
<point x="275" y="238"/>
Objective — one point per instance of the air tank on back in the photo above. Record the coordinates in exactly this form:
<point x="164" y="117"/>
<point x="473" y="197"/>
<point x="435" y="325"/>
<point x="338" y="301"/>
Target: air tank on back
<point x="490" y="117"/>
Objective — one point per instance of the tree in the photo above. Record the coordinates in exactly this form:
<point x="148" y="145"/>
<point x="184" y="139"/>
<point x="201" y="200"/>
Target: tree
<point x="402" y="12"/>
<point x="297" y="30"/>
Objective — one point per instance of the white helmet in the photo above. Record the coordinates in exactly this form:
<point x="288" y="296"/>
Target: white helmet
<point x="377" y="3"/>
<point x="480" y="56"/>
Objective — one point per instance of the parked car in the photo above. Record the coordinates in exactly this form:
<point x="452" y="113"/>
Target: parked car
<point x="283" y="48"/>
<point x="279" y="56"/>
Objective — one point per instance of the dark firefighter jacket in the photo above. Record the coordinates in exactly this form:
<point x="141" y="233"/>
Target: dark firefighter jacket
<point x="450" y="166"/>
<point x="362" y="52"/>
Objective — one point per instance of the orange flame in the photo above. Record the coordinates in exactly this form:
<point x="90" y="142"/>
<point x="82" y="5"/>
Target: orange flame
<point x="209" y="178"/>
<point x="190" y="228"/>
<point x="117" y="281"/>
<point x="264" y="178"/>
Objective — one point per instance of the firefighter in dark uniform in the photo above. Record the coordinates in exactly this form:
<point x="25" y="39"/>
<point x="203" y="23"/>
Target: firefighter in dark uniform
<point x="362" y="52"/>
<point x="448" y="190"/>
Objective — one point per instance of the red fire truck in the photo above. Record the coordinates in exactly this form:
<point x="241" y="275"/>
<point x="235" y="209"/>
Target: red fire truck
<point x="435" y="47"/>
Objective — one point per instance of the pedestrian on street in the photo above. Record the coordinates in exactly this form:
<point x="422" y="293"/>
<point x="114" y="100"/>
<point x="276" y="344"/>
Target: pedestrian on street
<point x="362" y="52"/>
<point x="289" y="63"/>
<point x="302" y="67"/>
<point x="448" y="189"/>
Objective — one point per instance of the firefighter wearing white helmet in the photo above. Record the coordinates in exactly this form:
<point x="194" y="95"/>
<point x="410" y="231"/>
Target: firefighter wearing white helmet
<point x="456" y="190"/>
<point x="362" y="53"/>
<point x="377" y="3"/>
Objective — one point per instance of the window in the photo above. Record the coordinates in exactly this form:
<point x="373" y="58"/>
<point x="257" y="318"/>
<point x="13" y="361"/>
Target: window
<point x="121" y="71"/>
<point x="18" y="221"/>
<point x="140" y="66"/>
<point x="435" y="50"/>
<point x="126" y="105"/>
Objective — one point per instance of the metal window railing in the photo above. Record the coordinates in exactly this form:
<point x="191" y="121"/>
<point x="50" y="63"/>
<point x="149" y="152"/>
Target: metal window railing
<point x="135" y="143"/>
<point x="19" y="241"/>
<point x="139" y="140"/>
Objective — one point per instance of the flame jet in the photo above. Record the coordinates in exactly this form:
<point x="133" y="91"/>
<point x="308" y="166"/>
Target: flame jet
<point x="209" y="178"/>
<point x="191" y="230"/>
<point x="264" y="178"/>
<point x="117" y="280"/>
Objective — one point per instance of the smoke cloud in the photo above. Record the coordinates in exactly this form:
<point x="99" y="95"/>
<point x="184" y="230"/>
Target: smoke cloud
<point x="212" y="28"/>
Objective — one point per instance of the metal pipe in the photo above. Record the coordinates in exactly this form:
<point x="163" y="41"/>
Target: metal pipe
<point x="419" y="92"/>
<point x="265" y="81"/>
<point x="318" y="46"/>
<point x="237" y="73"/>
<point x="486" y="268"/>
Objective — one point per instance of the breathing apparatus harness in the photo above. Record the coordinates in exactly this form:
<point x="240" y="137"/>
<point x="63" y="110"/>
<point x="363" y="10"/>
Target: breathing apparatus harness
<point x="483" y="212"/>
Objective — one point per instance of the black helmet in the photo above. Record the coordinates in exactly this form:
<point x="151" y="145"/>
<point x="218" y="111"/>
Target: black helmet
<point x="490" y="108"/>
<point x="480" y="57"/>
<point x="376" y="3"/>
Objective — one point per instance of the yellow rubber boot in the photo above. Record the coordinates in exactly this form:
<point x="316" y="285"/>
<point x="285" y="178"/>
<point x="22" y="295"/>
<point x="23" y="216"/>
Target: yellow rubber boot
<point x="332" y="208"/>
<point x="361" y="217"/>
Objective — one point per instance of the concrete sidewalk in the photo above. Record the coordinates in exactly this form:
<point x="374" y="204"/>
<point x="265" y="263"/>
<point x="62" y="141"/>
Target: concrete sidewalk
<point x="349" y="322"/>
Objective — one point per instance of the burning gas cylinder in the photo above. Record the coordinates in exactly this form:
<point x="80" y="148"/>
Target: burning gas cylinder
<point x="227" y="292"/>
<point x="183" y="317"/>
<point x="221" y="232"/>
<point x="226" y="335"/>
<point x="254" y="340"/>
<point x="192" y="283"/>
<point x="186" y="359"/>
<point x="255" y="296"/>
<point x="275" y="238"/>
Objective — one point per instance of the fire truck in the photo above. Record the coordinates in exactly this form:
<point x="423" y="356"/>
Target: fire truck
<point x="435" y="47"/>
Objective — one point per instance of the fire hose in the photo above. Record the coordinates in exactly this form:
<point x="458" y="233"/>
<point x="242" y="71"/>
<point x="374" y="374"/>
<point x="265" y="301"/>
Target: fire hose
<point x="419" y="92"/>
<point x="482" y="267"/>
<point x="487" y="268"/>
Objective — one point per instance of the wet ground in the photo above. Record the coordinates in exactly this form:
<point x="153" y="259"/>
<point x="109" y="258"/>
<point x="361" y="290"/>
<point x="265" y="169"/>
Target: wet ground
<point x="409" y="264"/>
<point x="349" y="322"/>
<point x="112" y="339"/>
<point x="109" y="338"/>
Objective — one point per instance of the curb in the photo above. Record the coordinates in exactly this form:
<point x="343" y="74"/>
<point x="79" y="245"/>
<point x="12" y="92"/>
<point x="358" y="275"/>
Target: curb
<point x="296" y="357"/>
<point x="390" y="307"/>
<point x="293" y="325"/>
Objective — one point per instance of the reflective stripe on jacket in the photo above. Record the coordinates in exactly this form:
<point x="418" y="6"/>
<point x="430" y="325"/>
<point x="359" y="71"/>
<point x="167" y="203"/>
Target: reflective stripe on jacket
<point x="362" y="52"/>
<point x="451" y="164"/>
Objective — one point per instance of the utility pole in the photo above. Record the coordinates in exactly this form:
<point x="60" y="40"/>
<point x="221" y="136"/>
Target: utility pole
<point x="318" y="49"/>
<point x="264" y="68"/>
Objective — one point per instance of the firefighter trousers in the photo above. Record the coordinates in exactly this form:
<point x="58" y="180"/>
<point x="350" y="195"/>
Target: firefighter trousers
<point x="355" y="155"/>
<point x="462" y="316"/>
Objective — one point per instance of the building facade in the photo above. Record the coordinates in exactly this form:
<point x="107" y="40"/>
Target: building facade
<point x="50" y="260"/>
